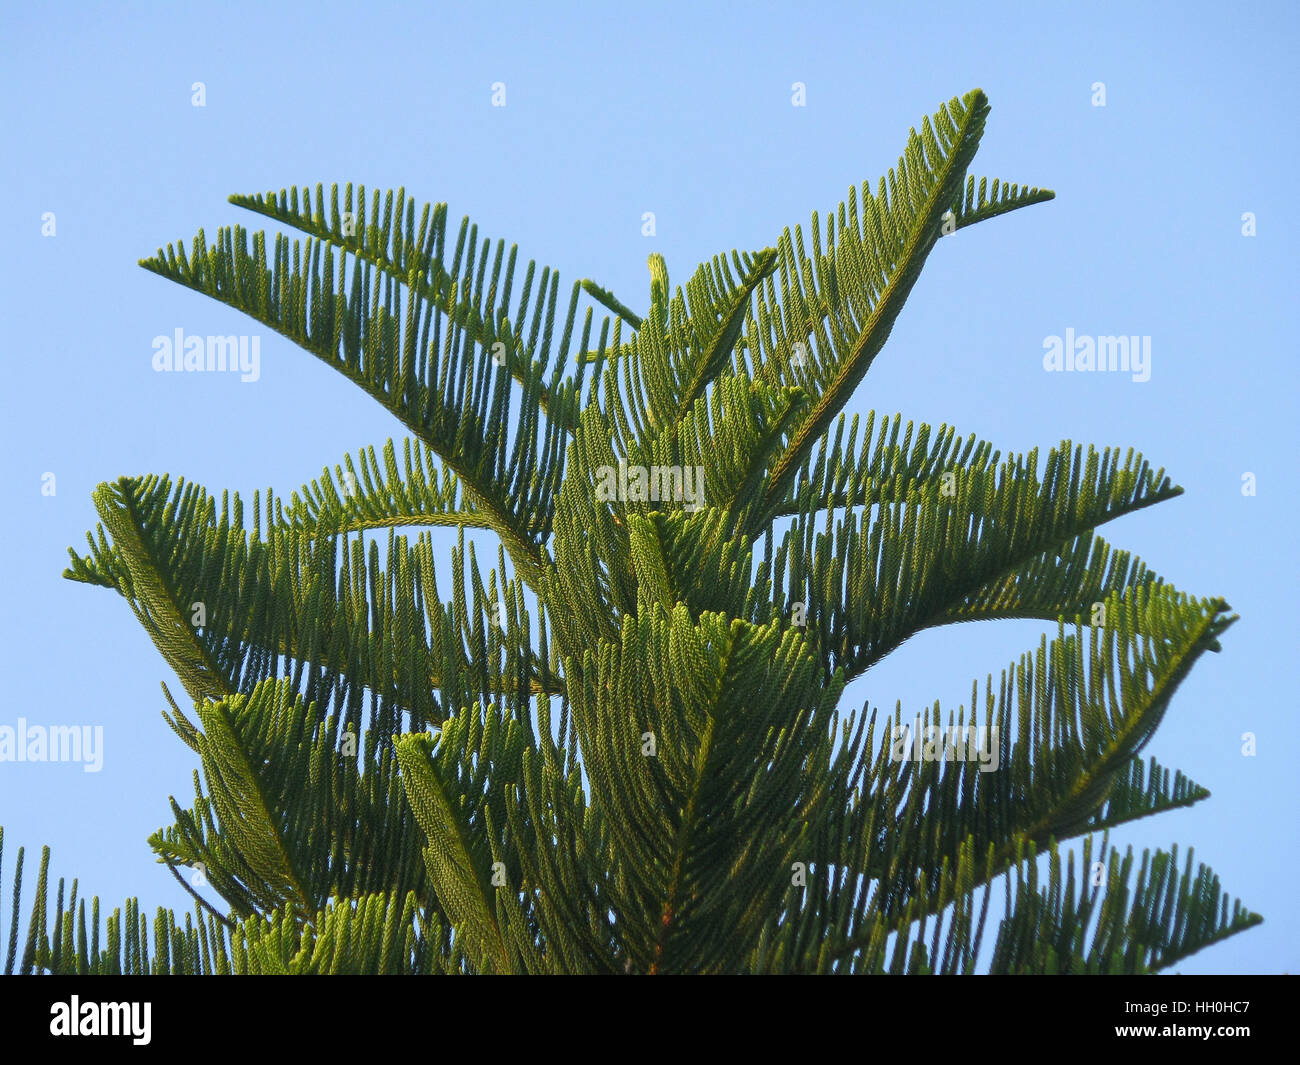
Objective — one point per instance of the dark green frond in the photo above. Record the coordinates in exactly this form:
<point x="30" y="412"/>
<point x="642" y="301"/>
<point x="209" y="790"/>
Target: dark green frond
<point x="1065" y="926"/>
<point x="457" y="783"/>
<point x="426" y="335"/>
<point x="229" y="608"/>
<point x="696" y="738"/>
<point x="1051" y="757"/>
<point x="823" y="319"/>
<point x="379" y="496"/>
<point x="960" y="546"/>
<point x="299" y="808"/>
<point x="1003" y="199"/>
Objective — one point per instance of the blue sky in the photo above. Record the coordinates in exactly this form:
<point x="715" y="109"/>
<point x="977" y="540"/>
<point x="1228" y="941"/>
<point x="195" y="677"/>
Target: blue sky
<point x="684" y="110"/>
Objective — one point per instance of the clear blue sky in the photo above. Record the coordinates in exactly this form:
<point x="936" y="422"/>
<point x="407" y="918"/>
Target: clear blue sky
<point x="683" y="110"/>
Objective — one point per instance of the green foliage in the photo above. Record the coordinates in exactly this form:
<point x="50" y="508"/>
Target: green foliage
<point x="623" y="750"/>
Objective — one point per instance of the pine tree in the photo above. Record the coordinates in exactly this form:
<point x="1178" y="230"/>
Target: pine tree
<point x="623" y="750"/>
